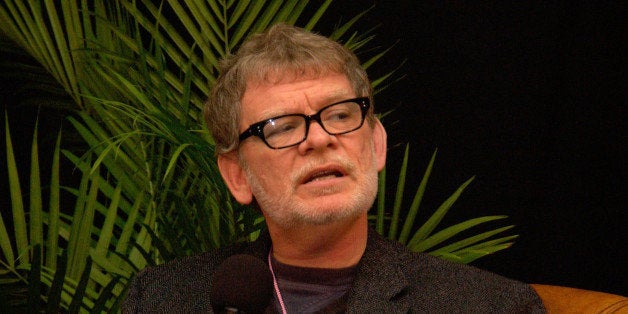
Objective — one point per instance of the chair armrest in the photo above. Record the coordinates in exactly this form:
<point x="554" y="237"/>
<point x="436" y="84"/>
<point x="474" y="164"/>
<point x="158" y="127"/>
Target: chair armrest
<point x="557" y="299"/>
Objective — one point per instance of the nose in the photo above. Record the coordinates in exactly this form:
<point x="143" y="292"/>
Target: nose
<point x="317" y="138"/>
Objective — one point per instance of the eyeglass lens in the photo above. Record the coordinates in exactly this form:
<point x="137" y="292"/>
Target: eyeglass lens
<point x="292" y="129"/>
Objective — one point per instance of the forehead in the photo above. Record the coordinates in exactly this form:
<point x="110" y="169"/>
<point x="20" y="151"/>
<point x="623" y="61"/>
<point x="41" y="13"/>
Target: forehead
<point x="287" y="95"/>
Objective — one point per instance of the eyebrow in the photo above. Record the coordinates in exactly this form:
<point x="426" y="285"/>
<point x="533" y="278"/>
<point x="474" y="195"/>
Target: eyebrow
<point x="271" y="113"/>
<point x="334" y="96"/>
<point x="338" y="95"/>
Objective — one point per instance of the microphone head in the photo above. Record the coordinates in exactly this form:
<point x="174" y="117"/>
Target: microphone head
<point x="242" y="282"/>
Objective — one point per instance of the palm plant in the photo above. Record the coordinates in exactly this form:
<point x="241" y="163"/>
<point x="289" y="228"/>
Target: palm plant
<point x="138" y="72"/>
<point x="138" y="84"/>
<point x="422" y="238"/>
<point x="83" y="263"/>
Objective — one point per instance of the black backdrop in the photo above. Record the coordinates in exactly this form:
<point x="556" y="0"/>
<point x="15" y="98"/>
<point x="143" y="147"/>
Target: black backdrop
<point x="530" y="99"/>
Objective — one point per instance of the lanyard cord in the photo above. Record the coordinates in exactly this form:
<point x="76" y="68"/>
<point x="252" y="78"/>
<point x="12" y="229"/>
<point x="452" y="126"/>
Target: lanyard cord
<point x="276" y="285"/>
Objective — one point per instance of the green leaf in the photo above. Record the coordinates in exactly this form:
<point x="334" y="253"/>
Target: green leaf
<point x="127" y="231"/>
<point x="5" y="244"/>
<point x="340" y="31"/>
<point x="53" y="304"/>
<point x="80" y="236"/>
<point x="381" y="202"/>
<point x="468" y="256"/>
<point x="173" y="160"/>
<point x="106" y="232"/>
<point x="475" y="239"/>
<point x="317" y="15"/>
<point x="401" y="182"/>
<point x="105" y="295"/>
<point x="52" y="243"/>
<point x="416" y="202"/>
<point x="35" y="211"/>
<point x="79" y="293"/>
<point x="450" y="232"/>
<point x="438" y="215"/>
<point x="34" y="281"/>
<point x="17" y="206"/>
<point x="147" y="258"/>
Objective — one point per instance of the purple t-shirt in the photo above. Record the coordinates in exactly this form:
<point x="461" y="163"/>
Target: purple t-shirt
<point x="310" y="290"/>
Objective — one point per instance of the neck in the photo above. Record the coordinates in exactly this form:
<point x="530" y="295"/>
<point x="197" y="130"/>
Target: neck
<point x="336" y="245"/>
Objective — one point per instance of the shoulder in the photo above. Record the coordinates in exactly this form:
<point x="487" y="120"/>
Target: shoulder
<point x="431" y="283"/>
<point x="182" y="284"/>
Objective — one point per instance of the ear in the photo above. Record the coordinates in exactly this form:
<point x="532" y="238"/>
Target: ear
<point x="235" y="178"/>
<point x="379" y="143"/>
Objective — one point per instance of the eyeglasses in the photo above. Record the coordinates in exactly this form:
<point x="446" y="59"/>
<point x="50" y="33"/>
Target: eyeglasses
<point x="291" y="129"/>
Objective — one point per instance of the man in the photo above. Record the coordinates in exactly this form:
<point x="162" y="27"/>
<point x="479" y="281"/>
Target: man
<point x="293" y="121"/>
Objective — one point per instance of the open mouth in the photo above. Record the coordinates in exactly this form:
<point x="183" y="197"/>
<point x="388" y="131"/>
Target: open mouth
<point x="323" y="175"/>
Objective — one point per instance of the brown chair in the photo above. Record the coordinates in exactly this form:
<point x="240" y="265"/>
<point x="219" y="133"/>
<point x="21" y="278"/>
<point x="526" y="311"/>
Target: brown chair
<point x="557" y="299"/>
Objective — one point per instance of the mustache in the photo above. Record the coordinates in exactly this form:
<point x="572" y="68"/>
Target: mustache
<point x="299" y="175"/>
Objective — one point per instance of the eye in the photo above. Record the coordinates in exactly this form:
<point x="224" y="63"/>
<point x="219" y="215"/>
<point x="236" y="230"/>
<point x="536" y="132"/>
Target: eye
<point x="338" y="115"/>
<point x="281" y="127"/>
<point x="340" y="112"/>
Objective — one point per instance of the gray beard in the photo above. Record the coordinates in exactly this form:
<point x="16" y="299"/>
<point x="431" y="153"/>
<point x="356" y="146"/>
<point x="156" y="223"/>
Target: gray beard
<point x="288" y="212"/>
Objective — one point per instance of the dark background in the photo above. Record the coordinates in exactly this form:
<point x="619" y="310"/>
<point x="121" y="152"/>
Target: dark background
<point x="530" y="99"/>
<point x="527" y="97"/>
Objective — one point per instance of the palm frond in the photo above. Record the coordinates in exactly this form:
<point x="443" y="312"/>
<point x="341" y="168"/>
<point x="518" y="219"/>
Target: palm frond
<point x="424" y="238"/>
<point x="149" y="191"/>
<point x="66" y="276"/>
<point x="17" y="209"/>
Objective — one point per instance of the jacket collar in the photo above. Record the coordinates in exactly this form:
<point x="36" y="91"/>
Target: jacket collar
<point x="380" y="284"/>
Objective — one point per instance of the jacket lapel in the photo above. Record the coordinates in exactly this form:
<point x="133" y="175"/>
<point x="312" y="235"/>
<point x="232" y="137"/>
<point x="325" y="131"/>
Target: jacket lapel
<point x="381" y="284"/>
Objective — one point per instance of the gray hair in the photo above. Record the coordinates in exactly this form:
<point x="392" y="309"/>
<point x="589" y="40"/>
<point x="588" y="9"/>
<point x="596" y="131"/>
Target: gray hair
<point x="281" y="51"/>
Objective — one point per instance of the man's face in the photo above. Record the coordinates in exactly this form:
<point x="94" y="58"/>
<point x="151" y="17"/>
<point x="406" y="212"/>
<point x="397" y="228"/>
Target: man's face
<point x="325" y="178"/>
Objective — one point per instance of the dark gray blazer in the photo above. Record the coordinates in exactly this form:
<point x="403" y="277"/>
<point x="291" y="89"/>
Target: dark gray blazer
<point x="390" y="279"/>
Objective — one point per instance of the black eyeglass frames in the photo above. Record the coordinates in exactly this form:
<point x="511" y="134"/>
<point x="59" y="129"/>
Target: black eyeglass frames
<point x="291" y="129"/>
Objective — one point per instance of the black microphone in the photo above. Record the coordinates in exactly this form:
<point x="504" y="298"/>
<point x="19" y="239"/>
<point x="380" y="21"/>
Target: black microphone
<point x="241" y="284"/>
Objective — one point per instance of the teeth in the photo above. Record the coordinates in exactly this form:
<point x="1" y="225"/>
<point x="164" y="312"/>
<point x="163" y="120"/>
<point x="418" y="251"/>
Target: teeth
<point x="325" y="175"/>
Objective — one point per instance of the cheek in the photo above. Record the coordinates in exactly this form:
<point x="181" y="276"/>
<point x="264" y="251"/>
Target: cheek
<point x="365" y="152"/>
<point x="270" y="172"/>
